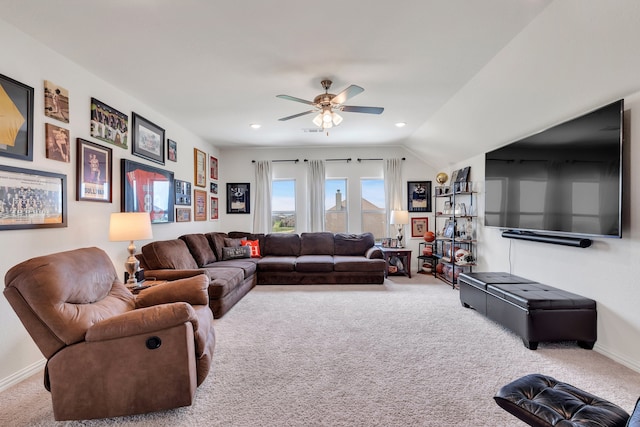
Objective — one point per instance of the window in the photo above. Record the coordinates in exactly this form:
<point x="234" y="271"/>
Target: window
<point x="335" y="202"/>
<point x="283" y="206"/>
<point x="372" y="207"/>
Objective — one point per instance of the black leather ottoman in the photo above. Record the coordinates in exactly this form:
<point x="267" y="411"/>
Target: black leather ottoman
<point x="473" y="287"/>
<point x="538" y="312"/>
<point x="542" y="401"/>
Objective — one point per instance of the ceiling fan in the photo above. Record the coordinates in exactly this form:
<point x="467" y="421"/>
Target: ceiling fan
<point x="326" y="105"/>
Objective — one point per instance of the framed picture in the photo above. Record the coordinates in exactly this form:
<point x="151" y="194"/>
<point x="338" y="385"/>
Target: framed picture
<point x="108" y="124"/>
<point x="183" y="214"/>
<point x="213" y="166"/>
<point x="183" y="192"/>
<point x="172" y="150"/>
<point x="419" y="226"/>
<point x="16" y="124"/>
<point x="213" y="187"/>
<point x="214" y="208"/>
<point x="238" y="198"/>
<point x="199" y="165"/>
<point x="58" y="147"/>
<point x="94" y="172"/>
<point x="449" y="229"/>
<point x="419" y="196"/>
<point x="148" y="139"/>
<point x="32" y="199"/>
<point x="200" y="205"/>
<point x="147" y="189"/>
<point x="462" y="177"/>
<point x="56" y="102"/>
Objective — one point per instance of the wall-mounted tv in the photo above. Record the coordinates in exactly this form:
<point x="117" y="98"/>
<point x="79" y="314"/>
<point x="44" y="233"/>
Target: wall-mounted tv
<point x="563" y="181"/>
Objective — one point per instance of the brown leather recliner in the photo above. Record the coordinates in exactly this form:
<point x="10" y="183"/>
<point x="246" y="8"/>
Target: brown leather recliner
<point x="110" y="353"/>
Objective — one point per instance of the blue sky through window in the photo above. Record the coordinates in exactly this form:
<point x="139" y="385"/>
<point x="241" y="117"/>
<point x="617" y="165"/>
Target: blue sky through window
<point x="283" y="195"/>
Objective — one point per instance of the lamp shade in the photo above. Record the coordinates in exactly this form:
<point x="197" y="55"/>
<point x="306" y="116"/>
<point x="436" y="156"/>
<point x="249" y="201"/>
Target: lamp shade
<point x="127" y="226"/>
<point x="399" y="217"/>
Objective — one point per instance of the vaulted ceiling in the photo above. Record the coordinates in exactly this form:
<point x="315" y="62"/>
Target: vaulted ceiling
<point x="216" y="67"/>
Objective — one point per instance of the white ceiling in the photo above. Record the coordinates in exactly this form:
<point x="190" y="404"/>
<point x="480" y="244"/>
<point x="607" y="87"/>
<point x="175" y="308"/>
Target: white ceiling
<point x="216" y="67"/>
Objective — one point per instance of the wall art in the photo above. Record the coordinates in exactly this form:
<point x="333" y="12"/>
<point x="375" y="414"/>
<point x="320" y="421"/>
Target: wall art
<point x="16" y="119"/>
<point x="213" y="166"/>
<point x="56" y="102"/>
<point x="32" y="199"/>
<point x="238" y="198"/>
<point x="199" y="165"/>
<point x="108" y="124"/>
<point x="419" y="196"/>
<point x="183" y="214"/>
<point x="200" y="205"/>
<point x="183" y="192"/>
<point x="214" y="208"/>
<point x="172" y="150"/>
<point x="147" y="189"/>
<point x="148" y="139"/>
<point x="94" y="172"/>
<point x="419" y="226"/>
<point x="58" y="146"/>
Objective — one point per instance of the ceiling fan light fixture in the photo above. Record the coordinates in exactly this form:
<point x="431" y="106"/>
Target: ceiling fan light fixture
<point x="327" y="115"/>
<point x="317" y="120"/>
<point x="337" y="119"/>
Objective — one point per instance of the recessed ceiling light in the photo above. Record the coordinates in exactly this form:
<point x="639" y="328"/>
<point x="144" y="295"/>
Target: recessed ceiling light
<point x="401" y="124"/>
<point x="255" y="126"/>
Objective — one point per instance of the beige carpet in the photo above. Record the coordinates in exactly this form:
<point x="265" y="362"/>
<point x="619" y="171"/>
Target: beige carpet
<point x="402" y="354"/>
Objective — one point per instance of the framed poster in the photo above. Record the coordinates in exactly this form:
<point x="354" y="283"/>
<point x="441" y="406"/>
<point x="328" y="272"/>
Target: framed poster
<point x="183" y="214"/>
<point x="213" y="187"/>
<point x="238" y="198"/>
<point x="56" y="102"/>
<point x="183" y="192"/>
<point x="419" y="226"/>
<point x="16" y="119"/>
<point x="58" y="146"/>
<point x="200" y="205"/>
<point x="147" y="189"/>
<point x="419" y="196"/>
<point x="32" y="199"/>
<point x="148" y="139"/>
<point x="213" y="166"/>
<point x="199" y="167"/>
<point x="108" y="124"/>
<point x="214" y="208"/>
<point x="94" y="166"/>
<point x="172" y="150"/>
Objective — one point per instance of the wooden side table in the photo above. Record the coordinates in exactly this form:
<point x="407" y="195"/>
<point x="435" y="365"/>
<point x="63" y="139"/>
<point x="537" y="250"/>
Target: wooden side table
<point x="403" y="254"/>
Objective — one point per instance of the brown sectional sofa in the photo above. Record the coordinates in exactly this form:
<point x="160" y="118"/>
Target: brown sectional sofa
<point x="308" y="258"/>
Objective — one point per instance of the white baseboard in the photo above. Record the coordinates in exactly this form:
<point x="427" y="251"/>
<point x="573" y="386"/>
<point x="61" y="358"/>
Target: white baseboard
<point x="631" y="364"/>
<point x="22" y="374"/>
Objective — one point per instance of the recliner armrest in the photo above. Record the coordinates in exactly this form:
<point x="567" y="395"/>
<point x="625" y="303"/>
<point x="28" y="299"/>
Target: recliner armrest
<point x="143" y="321"/>
<point x="193" y="290"/>
<point x="171" y="274"/>
<point x="374" y="252"/>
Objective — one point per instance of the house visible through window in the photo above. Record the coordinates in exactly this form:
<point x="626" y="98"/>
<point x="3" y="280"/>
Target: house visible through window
<point x="283" y="206"/>
<point x="372" y="205"/>
<point x="335" y="202"/>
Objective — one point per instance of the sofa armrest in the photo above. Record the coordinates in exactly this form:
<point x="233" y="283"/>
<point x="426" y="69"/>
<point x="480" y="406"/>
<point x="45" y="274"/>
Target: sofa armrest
<point x="171" y="274"/>
<point x="192" y="290"/>
<point x="374" y="252"/>
<point x="143" y="321"/>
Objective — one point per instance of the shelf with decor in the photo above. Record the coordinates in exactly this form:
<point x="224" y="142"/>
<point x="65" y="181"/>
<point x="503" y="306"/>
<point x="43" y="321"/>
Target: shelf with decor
<point x="427" y="259"/>
<point x="455" y="224"/>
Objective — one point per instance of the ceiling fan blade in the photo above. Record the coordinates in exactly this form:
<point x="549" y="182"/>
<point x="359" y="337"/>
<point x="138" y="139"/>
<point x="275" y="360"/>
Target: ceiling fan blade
<point x="293" y="98"/>
<point x="349" y="92"/>
<point x="368" y="110"/>
<point x="296" y="115"/>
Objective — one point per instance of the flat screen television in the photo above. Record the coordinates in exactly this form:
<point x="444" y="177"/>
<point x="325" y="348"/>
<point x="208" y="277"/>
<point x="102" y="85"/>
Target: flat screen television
<point x="563" y="181"/>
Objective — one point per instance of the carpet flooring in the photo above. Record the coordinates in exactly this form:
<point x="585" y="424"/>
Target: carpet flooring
<point x="405" y="353"/>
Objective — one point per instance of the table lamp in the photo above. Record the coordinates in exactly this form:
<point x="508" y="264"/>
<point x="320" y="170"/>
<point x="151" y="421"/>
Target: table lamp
<point x="130" y="226"/>
<point x="400" y="218"/>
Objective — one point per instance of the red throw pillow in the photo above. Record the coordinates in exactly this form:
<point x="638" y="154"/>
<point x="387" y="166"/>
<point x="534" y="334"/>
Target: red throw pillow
<point x="255" y="247"/>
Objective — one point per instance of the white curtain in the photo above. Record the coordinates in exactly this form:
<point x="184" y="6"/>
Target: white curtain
<point x="392" y="188"/>
<point x="262" y="210"/>
<point x="315" y="185"/>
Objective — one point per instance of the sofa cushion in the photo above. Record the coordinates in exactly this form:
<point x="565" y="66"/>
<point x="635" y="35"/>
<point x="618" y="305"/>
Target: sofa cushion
<point x="314" y="264"/>
<point x="320" y="243"/>
<point x="277" y="263"/>
<point x="216" y="240"/>
<point x="236" y="252"/>
<point x="223" y="281"/>
<point x="200" y="248"/>
<point x="172" y="254"/>
<point x="282" y="244"/>
<point x="248" y="265"/>
<point x="357" y="263"/>
<point x="353" y="244"/>
<point x="233" y="242"/>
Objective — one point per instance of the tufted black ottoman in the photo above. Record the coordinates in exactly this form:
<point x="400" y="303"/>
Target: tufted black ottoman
<point x="542" y="401"/>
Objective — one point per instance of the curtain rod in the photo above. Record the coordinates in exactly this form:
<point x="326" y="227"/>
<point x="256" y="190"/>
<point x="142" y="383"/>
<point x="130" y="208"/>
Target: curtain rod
<point x="285" y="160"/>
<point x="334" y="160"/>
<point x="360" y="160"/>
